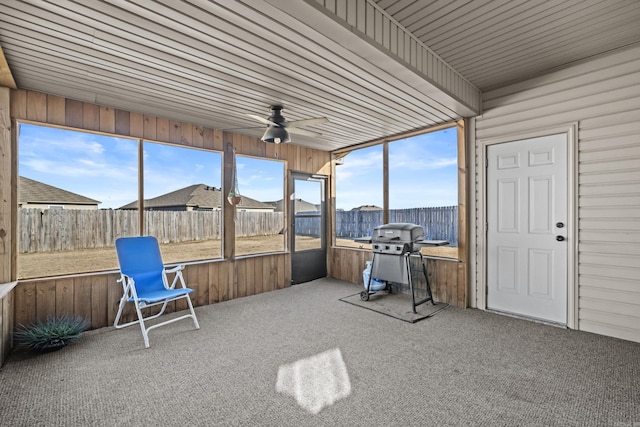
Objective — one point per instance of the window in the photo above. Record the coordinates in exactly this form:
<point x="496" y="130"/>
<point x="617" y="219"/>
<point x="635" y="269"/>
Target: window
<point x="423" y="189"/>
<point x="70" y="187"/>
<point x="308" y="200"/>
<point x="359" y="190"/>
<point x="423" y="186"/>
<point x="78" y="191"/>
<point x="182" y="201"/>
<point x="260" y="214"/>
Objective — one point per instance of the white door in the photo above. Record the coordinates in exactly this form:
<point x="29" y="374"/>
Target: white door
<point x="527" y="228"/>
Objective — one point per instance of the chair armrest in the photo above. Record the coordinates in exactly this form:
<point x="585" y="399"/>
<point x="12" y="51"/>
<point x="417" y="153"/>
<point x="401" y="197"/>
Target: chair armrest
<point x="175" y="269"/>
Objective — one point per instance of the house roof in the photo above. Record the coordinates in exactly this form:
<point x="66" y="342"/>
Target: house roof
<point x="375" y="68"/>
<point x="299" y="204"/>
<point x="367" y="208"/>
<point x="304" y="206"/>
<point x="197" y="196"/>
<point x="32" y="191"/>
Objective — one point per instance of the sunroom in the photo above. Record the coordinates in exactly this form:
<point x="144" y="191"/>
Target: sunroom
<point x="512" y="85"/>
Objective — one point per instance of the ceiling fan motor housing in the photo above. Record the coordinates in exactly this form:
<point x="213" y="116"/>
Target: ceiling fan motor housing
<point x="276" y="134"/>
<point x="278" y="128"/>
<point x="276" y="115"/>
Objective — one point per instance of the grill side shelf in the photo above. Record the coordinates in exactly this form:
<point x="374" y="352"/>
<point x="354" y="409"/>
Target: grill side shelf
<point x="363" y="240"/>
<point x="432" y="243"/>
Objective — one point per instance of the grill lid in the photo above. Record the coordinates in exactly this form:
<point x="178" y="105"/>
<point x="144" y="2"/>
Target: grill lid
<point x="396" y="238"/>
<point x="398" y="232"/>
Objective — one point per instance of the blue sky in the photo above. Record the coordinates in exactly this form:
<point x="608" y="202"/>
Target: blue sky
<point x="99" y="167"/>
<point x="423" y="171"/>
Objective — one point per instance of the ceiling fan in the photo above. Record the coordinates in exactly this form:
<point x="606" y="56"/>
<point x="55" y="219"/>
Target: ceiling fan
<point x="278" y="128"/>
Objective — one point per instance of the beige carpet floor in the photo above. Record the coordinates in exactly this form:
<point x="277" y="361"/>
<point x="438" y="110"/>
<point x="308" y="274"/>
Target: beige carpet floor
<point x="302" y="357"/>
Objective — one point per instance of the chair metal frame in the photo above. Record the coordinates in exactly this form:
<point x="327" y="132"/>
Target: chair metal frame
<point x="130" y="294"/>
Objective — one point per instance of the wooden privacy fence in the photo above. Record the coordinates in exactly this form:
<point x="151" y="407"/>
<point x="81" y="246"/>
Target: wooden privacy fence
<point x="308" y="223"/>
<point x="71" y="229"/>
<point x="259" y="223"/>
<point x="439" y="223"/>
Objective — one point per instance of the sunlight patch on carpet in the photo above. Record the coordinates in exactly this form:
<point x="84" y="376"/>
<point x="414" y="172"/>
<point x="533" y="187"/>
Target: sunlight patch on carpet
<point x="315" y="382"/>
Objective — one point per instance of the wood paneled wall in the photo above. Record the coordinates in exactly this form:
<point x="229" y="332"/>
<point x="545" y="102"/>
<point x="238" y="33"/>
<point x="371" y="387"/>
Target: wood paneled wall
<point x="6" y="319"/>
<point x="7" y="193"/>
<point x="7" y="198"/>
<point x="53" y="110"/>
<point x="446" y="277"/>
<point x="96" y="296"/>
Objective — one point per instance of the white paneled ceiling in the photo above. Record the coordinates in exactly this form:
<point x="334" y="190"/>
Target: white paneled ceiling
<point x="496" y="42"/>
<point x="375" y="69"/>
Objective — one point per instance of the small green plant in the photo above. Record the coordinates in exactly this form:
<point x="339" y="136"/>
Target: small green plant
<point x="52" y="334"/>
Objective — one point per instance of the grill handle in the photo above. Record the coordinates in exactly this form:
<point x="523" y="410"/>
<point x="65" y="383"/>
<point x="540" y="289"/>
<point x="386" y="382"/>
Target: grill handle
<point x="383" y="240"/>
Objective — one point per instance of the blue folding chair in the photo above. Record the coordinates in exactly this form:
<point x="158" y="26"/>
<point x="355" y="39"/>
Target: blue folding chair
<point x="145" y="284"/>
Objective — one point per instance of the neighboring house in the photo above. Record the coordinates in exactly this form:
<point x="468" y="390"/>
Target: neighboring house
<point x="36" y="194"/>
<point x="197" y="197"/>
<point x="300" y="206"/>
<point x="367" y="208"/>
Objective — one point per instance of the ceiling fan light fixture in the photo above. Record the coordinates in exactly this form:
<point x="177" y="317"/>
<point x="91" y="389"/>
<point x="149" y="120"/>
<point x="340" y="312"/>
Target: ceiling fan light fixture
<point x="276" y="135"/>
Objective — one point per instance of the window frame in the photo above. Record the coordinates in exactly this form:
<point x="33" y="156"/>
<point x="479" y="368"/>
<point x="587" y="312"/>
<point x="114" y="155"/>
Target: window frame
<point x="18" y="124"/>
<point x="140" y="185"/>
<point x="462" y="181"/>
<point x="283" y="163"/>
<point x="142" y="196"/>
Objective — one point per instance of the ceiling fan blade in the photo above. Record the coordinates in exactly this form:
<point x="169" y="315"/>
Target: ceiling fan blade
<point x="263" y="120"/>
<point x="306" y="122"/>
<point x="304" y="132"/>
<point x="243" y="128"/>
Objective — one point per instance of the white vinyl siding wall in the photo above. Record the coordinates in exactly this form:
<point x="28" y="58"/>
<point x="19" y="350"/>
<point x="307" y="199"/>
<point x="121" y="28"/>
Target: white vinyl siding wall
<point x="603" y="97"/>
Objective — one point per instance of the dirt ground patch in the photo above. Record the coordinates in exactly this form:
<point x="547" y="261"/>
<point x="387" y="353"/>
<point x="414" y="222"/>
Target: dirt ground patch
<point x="48" y="264"/>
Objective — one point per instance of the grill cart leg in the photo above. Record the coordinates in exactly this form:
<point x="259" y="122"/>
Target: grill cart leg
<point x="426" y="279"/>
<point x="364" y="295"/>
<point x="424" y="271"/>
<point x="413" y="295"/>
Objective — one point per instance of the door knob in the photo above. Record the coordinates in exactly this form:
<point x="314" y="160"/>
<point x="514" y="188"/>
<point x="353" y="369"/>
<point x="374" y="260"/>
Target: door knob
<point x="559" y="224"/>
<point x="559" y="238"/>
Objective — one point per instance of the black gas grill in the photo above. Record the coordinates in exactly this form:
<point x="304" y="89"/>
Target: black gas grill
<point x="397" y="239"/>
<point x="392" y="245"/>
